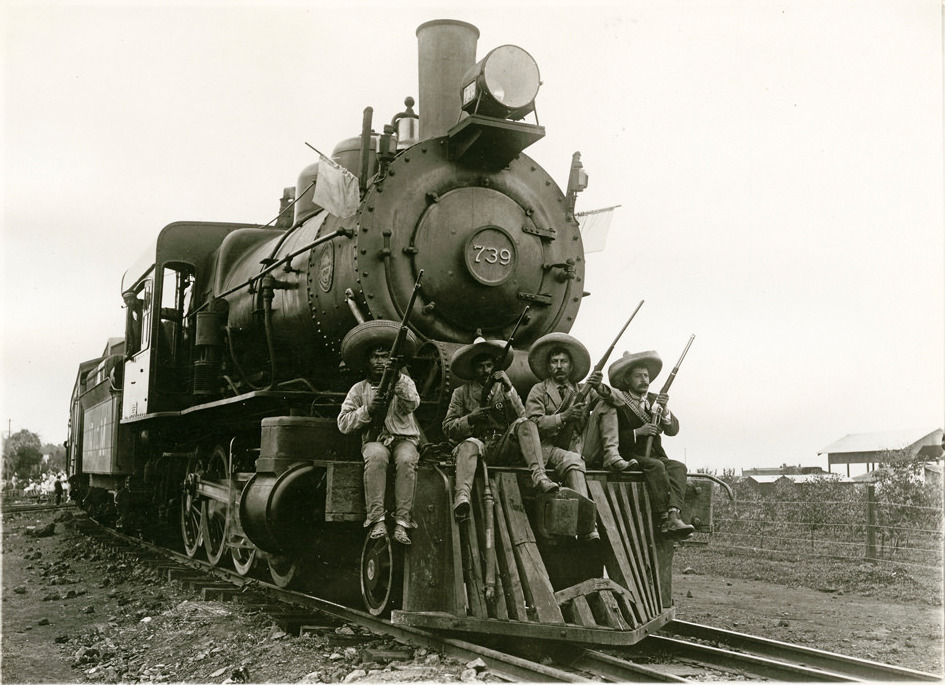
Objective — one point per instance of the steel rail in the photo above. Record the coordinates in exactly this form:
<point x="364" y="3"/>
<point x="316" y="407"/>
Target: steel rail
<point x="749" y="663"/>
<point x="616" y="670"/>
<point x="506" y="666"/>
<point x="27" y="508"/>
<point x="759" y="656"/>
<point x="827" y="661"/>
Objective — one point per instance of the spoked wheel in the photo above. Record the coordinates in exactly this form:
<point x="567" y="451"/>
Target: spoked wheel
<point x="215" y="514"/>
<point x="285" y="571"/>
<point x="243" y="554"/>
<point x="190" y="509"/>
<point x="381" y="575"/>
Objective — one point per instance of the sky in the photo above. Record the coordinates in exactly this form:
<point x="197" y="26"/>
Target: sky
<point x="778" y="167"/>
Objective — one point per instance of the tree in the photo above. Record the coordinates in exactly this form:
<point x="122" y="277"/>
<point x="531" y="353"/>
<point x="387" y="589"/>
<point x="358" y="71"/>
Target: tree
<point x="22" y="454"/>
<point x="57" y="456"/>
<point x="908" y="511"/>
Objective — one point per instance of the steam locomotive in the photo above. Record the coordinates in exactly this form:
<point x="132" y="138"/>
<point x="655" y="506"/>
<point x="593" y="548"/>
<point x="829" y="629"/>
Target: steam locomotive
<point x="213" y="420"/>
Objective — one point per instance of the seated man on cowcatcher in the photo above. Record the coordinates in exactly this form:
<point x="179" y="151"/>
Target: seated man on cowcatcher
<point x="494" y="428"/>
<point x="386" y="431"/>
<point x="574" y="417"/>
<point x="643" y="418"/>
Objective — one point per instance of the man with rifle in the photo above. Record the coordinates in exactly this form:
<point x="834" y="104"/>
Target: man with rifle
<point x="642" y="418"/>
<point x="486" y="418"/>
<point x="381" y="406"/>
<point x="571" y="416"/>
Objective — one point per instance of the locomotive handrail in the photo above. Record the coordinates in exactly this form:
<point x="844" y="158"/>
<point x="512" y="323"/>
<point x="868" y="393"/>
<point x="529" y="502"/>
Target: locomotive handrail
<point x="706" y="476"/>
<point x="272" y="267"/>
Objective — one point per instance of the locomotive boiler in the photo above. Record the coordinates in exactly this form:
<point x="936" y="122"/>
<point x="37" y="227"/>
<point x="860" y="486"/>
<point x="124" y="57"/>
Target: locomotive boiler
<point x="213" y="418"/>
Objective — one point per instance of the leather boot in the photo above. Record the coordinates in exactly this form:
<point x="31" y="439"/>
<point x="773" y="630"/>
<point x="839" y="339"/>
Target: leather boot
<point x="674" y="527"/>
<point x="530" y="445"/>
<point x="466" y="461"/>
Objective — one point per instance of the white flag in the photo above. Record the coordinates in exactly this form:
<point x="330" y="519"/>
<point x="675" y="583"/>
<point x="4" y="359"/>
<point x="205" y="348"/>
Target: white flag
<point x="594" y="227"/>
<point x="336" y="189"/>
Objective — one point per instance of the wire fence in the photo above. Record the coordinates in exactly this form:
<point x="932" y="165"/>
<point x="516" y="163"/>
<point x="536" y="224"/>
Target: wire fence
<point x="891" y="522"/>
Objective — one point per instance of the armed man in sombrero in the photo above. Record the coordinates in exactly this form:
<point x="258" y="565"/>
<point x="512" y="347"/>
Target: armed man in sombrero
<point x="570" y="417"/>
<point x="665" y="478"/>
<point x="495" y="429"/>
<point x="560" y="412"/>
<point x="387" y="429"/>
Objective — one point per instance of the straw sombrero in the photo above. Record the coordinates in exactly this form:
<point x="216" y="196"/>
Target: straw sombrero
<point x="361" y="340"/>
<point x="461" y="364"/>
<point x="619" y="371"/>
<point x="540" y="353"/>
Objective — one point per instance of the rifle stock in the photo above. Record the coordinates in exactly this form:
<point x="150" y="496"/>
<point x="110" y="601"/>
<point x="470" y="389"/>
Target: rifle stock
<point x="658" y="410"/>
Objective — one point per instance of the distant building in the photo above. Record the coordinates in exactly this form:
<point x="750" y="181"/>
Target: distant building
<point x="766" y="478"/>
<point x="874" y="449"/>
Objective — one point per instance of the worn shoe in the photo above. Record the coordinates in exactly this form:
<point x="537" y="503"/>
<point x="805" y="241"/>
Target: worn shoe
<point x="617" y="464"/>
<point x="378" y="531"/>
<point x="676" y="529"/>
<point x="461" y="509"/>
<point x="546" y="485"/>
<point x="400" y="535"/>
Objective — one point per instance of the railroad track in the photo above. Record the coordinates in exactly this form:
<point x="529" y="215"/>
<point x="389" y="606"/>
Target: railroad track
<point x="686" y="652"/>
<point x="21" y="508"/>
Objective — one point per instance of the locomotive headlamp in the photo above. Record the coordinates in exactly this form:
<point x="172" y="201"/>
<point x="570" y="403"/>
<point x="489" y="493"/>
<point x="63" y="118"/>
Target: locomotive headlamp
<point x="502" y="84"/>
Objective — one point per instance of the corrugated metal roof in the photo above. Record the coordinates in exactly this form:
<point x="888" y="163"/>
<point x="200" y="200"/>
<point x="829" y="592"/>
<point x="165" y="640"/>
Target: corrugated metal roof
<point x="764" y="479"/>
<point x="799" y="477"/>
<point x="882" y="441"/>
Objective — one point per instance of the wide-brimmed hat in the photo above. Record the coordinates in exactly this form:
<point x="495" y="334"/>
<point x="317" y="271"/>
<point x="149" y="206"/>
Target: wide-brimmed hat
<point x="541" y="349"/>
<point x="619" y="371"/>
<point x="364" y="338"/>
<point x="461" y="364"/>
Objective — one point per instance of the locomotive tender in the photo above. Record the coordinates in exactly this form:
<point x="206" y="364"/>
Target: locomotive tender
<point x="213" y="418"/>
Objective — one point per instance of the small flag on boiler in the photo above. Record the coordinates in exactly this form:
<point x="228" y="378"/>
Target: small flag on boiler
<point x="594" y="227"/>
<point x="336" y="189"/>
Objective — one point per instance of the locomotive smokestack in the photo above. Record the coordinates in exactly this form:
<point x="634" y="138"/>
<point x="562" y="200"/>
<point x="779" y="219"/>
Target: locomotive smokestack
<point x="447" y="49"/>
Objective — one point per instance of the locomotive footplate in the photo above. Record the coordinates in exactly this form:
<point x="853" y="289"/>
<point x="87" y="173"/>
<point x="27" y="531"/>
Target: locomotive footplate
<point x="504" y="571"/>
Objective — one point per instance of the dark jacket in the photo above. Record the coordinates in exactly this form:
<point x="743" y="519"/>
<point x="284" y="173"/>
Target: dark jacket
<point x="630" y="416"/>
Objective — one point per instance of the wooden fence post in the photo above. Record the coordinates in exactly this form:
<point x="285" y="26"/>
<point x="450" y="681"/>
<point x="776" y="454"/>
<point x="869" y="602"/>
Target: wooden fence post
<point x="871" y="522"/>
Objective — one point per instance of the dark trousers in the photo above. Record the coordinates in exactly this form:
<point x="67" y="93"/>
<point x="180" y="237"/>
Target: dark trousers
<point x="665" y="482"/>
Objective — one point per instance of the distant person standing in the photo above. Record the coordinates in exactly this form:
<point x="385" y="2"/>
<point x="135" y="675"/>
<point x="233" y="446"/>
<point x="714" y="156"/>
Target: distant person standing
<point x="57" y="486"/>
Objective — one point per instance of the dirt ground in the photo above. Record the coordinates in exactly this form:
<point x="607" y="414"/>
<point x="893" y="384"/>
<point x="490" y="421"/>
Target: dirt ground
<point x="71" y="614"/>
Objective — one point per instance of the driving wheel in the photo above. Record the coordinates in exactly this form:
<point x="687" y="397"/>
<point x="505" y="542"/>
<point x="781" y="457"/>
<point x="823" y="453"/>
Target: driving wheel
<point x="381" y="575"/>
<point x="284" y="570"/>
<point x="190" y="508"/>
<point x="243" y="554"/>
<point x="214" y="514"/>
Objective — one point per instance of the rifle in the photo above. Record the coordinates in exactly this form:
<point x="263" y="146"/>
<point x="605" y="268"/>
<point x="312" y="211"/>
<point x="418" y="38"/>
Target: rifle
<point x="392" y="372"/>
<point x="598" y="368"/>
<point x="487" y="388"/>
<point x="658" y="409"/>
